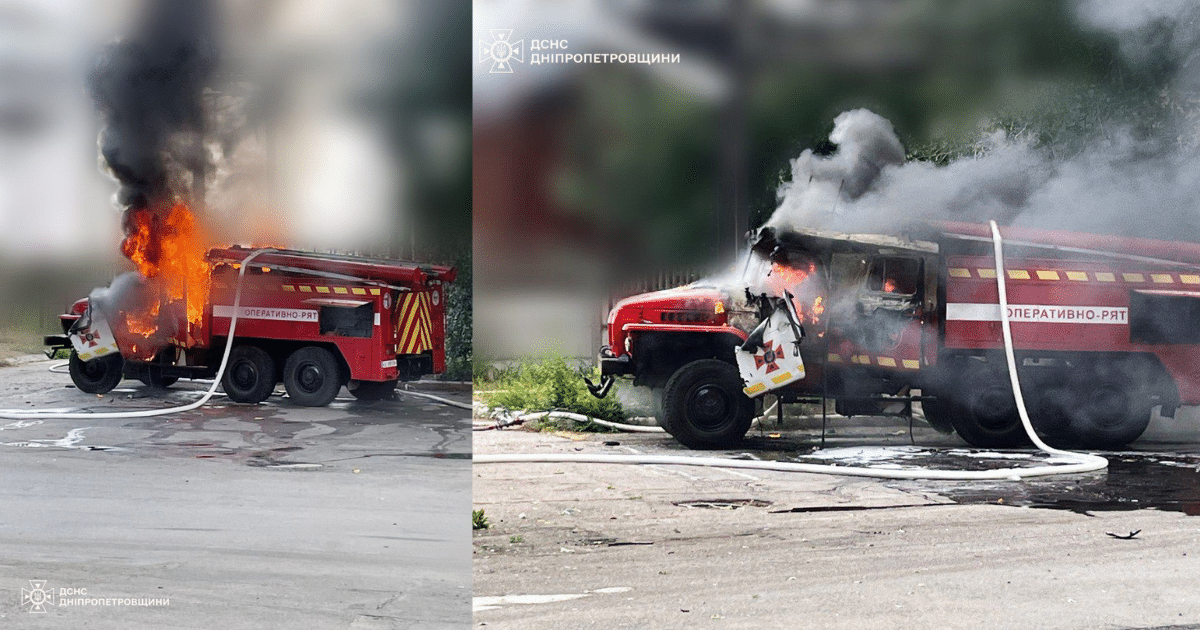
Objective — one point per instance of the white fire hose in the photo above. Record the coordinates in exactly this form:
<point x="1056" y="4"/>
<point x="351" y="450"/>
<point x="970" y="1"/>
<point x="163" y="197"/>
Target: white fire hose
<point x="1081" y="462"/>
<point x="22" y="414"/>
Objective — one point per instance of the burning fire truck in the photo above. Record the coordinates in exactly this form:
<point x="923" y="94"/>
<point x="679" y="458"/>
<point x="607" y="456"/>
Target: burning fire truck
<point x="315" y="322"/>
<point x="1105" y="329"/>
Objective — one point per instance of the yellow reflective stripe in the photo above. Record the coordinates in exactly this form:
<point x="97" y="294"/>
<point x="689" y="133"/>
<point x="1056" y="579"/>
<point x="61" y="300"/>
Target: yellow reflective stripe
<point x="958" y="272"/>
<point x="754" y="389"/>
<point x="1162" y="278"/>
<point x="1018" y="274"/>
<point x="1189" y="278"/>
<point x="886" y="361"/>
<point x="912" y="364"/>
<point x="1078" y="276"/>
<point x="358" y="291"/>
<point x="781" y="378"/>
<point x="1133" y="277"/>
<point x="341" y="290"/>
<point x="1043" y="274"/>
<point x="1104" y="276"/>
<point x="986" y="273"/>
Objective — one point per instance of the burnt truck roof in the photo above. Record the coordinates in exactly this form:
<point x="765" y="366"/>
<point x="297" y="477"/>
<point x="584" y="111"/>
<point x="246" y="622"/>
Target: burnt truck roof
<point x="947" y="237"/>
<point x="766" y="240"/>
<point x="363" y="268"/>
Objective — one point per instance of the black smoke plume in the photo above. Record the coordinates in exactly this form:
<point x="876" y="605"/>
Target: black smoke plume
<point x="149" y="89"/>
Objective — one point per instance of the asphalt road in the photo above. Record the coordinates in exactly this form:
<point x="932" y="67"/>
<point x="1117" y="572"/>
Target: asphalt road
<point x="606" y="546"/>
<point x="231" y="516"/>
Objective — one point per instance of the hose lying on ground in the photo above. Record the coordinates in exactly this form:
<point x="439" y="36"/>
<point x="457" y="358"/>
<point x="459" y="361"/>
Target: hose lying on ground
<point x="511" y="420"/>
<point x="444" y="401"/>
<point x="23" y="414"/>
<point x="1081" y="462"/>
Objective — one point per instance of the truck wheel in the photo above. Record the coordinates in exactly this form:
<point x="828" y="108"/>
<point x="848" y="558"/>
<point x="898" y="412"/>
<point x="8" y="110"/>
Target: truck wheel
<point x="984" y="410"/>
<point x="939" y="413"/>
<point x="158" y="380"/>
<point x="98" y="376"/>
<point x="1050" y="409"/>
<point x="312" y="377"/>
<point x="250" y="375"/>
<point x="1110" y="415"/>
<point x="152" y="373"/>
<point x="656" y="408"/>
<point x="704" y="406"/>
<point x="372" y="390"/>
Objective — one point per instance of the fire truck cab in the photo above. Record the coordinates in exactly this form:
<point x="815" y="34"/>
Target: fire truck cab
<point x="314" y="322"/>
<point x="1105" y="329"/>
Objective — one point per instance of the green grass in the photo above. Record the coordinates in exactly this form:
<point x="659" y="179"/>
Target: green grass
<point x="548" y="384"/>
<point x="479" y="520"/>
<point x="19" y="341"/>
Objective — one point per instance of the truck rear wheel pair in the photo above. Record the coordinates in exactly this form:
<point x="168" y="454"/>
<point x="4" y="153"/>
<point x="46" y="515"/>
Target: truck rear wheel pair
<point x="311" y="375"/>
<point x="703" y="405"/>
<point x="1087" y="410"/>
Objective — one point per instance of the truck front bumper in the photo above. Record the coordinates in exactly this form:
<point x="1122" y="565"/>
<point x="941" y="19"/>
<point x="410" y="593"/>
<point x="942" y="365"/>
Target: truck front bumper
<point x="610" y="368"/>
<point x="56" y="342"/>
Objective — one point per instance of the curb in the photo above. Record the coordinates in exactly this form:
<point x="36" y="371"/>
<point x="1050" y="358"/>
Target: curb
<point x="23" y="359"/>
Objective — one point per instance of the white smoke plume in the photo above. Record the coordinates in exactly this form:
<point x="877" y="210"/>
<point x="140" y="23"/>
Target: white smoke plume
<point x="1142" y="181"/>
<point x="866" y="185"/>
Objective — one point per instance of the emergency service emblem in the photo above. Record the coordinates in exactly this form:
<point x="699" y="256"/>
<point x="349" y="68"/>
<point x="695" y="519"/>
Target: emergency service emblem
<point x="768" y="357"/>
<point x="37" y="597"/>
<point x="502" y="50"/>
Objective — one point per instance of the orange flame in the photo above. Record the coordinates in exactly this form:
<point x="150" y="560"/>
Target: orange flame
<point x="792" y="279"/>
<point x="168" y="250"/>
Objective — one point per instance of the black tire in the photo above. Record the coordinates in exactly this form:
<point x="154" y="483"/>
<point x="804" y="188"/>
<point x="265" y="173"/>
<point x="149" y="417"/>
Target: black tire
<point x="312" y="377"/>
<point x="250" y="376"/>
<point x="938" y="412"/>
<point x="983" y="409"/>
<point x="656" y="408"/>
<point x="704" y="406"/>
<point x="152" y="373"/>
<point x="158" y="380"/>
<point x="1050" y="408"/>
<point x="98" y="376"/>
<point x="372" y="390"/>
<point x="1111" y="413"/>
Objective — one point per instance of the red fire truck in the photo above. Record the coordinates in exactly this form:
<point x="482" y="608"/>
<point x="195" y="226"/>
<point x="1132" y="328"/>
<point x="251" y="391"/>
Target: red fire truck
<point x="315" y="322"/>
<point x="1104" y="328"/>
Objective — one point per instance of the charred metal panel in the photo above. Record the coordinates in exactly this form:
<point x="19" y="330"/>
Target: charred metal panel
<point x="1164" y="319"/>
<point x="348" y="322"/>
